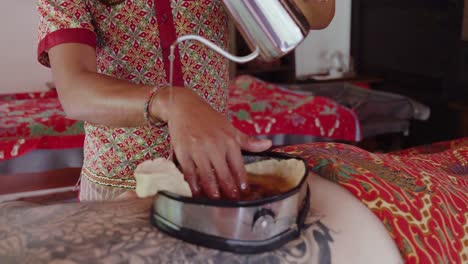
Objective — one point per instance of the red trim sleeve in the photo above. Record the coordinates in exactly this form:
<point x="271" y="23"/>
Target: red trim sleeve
<point x="168" y="36"/>
<point x="61" y="36"/>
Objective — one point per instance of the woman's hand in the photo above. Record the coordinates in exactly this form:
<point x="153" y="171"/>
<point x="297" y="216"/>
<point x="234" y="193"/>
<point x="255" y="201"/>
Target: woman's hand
<point x="206" y="145"/>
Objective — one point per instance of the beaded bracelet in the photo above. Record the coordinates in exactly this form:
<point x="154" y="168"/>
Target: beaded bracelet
<point x="147" y="110"/>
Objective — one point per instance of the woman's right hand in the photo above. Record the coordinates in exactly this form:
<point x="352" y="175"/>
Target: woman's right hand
<point x="206" y="145"/>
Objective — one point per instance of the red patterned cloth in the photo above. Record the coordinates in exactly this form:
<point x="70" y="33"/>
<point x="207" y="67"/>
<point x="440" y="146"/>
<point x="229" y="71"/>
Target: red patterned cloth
<point x="31" y="95"/>
<point x="261" y="108"/>
<point x="420" y="194"/>
<point x="36" y="120"/>
<point x="30" y="121"/>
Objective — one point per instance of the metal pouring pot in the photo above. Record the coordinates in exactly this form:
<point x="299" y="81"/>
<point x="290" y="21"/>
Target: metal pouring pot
<point x="271" y="28"/>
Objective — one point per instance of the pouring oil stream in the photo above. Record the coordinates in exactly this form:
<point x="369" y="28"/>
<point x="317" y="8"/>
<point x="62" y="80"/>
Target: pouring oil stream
<point x="214" y="47"/>
<point x="171" y="93"/>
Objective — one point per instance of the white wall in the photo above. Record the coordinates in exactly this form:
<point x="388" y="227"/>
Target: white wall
<point x="312" y="56"/>
<point x="19" y="69"/>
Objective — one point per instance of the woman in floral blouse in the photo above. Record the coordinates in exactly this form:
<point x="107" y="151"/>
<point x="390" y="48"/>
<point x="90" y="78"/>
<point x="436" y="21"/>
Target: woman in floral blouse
<point x="109" y="59"/>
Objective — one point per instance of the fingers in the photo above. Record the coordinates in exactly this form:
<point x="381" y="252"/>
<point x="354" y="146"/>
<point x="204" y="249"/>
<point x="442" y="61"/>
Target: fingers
<point x="214" y="164"/>
<point x="207" y="176"/>
<point x="215" y="173"/>
<point x="236" y="164"/>
<point x="252" y="144"/>
<point x="226" y="180"/>
<point x="190" y="174"/>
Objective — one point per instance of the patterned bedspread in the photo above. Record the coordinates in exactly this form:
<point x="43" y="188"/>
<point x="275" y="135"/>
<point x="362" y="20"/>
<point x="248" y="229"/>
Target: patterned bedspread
<point x="260" y="108"/>
<point x="36" y="120"/>
<point x="32" y="121"/>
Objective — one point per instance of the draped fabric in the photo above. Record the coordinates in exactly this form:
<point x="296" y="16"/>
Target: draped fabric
<point x="419" y="194"/>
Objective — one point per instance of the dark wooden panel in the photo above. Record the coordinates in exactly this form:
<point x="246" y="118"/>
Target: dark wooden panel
<point x="27" y="182"/>
<point x="465" y="22"/>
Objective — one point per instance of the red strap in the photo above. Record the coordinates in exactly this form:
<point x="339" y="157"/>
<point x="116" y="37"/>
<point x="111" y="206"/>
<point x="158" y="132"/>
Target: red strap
<point x="167" y="36"/>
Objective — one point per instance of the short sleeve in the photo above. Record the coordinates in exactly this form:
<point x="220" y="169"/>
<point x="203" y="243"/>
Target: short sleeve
<point x="63" y="21"/>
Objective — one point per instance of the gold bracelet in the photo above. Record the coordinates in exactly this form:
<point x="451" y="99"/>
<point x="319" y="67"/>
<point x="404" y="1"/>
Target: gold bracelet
<point x="152" y="121"/>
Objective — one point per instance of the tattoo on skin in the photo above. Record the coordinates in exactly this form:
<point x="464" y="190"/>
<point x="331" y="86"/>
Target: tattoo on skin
<point x="121" y="233"/>
<point x="323" y="239"/>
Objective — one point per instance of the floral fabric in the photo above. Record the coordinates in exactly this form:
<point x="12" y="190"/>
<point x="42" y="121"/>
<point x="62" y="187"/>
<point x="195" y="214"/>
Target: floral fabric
<point x="30" y="121"/>
<point x="420" y="194"/>
<point x="261" y="108"/>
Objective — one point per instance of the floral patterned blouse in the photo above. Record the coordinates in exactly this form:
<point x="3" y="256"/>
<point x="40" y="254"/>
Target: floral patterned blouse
<point x="132" y="41"/>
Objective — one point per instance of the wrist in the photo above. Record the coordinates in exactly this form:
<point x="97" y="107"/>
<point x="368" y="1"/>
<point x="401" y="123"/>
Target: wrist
<point x="161" y="104"/>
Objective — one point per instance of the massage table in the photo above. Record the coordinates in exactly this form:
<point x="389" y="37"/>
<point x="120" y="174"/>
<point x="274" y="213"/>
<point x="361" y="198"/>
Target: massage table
<point x="420" y="195"/>
<point x="35" y="134"/>
<point x="34" y="129"/>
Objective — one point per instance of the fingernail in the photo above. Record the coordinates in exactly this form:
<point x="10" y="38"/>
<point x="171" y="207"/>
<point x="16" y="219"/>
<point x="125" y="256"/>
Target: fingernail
<point x="216" y="195"/>
<point x="235" y="193"/>
<point x="196" y="190"/>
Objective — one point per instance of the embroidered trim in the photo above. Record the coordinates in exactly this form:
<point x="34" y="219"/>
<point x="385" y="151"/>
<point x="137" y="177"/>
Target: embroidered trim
<point x="168" y="35"/>
<point x="120" y="183"/>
